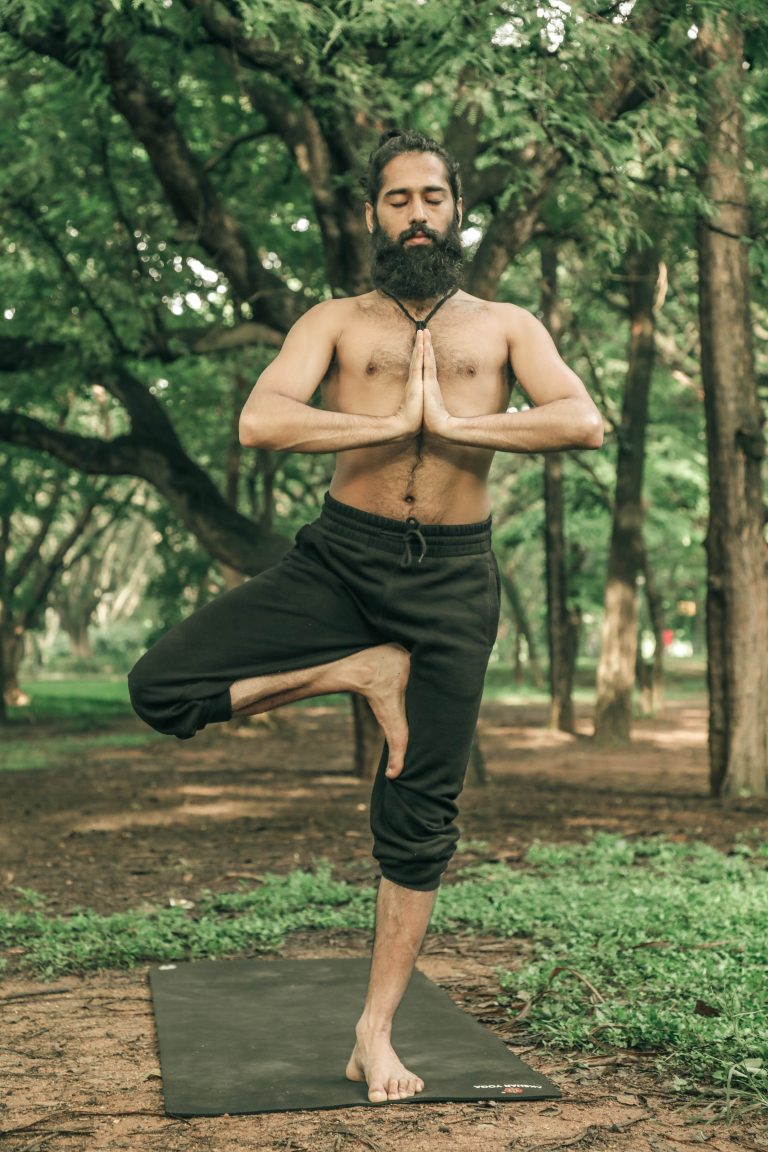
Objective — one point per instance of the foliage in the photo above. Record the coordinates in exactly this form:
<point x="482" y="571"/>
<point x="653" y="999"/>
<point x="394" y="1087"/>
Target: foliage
<point x="129" y="248"/>
<point x="646" y="944"/>
<point x="89" y="705"/>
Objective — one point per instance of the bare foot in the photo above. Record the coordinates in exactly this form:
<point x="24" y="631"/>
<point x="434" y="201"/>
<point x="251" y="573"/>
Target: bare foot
<point x="381" y="675"/>
<point x="375" y="1062"/>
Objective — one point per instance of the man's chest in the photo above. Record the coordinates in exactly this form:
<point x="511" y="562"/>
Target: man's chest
<point x="472" y="360"/>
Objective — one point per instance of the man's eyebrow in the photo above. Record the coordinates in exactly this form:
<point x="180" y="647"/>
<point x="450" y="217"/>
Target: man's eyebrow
<point x="405" y="191"/>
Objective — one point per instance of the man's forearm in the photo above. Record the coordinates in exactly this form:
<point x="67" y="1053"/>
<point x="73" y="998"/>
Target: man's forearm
<point x="286" y="425"/>
<point x="560" y="424"/>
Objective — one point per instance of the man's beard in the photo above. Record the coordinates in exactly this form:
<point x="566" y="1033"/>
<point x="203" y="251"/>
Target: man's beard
<point x="417" y="271"/>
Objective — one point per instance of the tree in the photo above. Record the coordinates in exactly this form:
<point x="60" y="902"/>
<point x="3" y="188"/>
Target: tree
<point x="737" y="555"/>
<point x="618" y="647"/>
<point x="40" y="537"/>
<point x="173" y="133"/>
<point x="560" y="621"/>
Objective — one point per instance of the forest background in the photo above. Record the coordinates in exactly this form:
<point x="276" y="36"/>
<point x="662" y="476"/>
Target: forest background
<point x="179" y="182"/>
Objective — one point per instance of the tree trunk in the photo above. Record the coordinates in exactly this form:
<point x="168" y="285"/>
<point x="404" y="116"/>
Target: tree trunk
<point x="560" y="675"/>
<point x="79" y="639"/>
<point x="656" y="616"/>
<point x="522" y="622"/>
<point x="477" y="773"/>
<point x="737" y="561"/>
<point x="12" y="643"/>
<point x="618" y="646"/>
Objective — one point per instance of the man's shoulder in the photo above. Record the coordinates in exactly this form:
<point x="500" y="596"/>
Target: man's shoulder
<point x="334" y="313"/>
<point x="501" y="309"/>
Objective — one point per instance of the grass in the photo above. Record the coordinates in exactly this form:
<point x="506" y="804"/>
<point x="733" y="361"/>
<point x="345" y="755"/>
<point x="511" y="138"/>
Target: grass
<point x="28" y="755"/>
<point x="642" y="944"/>
<point x="684" y="679"/>
<point x="73" y="705"/>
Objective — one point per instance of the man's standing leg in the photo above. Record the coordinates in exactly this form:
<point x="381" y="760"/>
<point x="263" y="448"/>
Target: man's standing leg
<point x="413" y="814"/>
<point x="402" y="918"/>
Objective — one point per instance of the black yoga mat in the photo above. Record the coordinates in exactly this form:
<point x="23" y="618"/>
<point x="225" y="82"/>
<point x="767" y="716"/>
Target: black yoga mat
<point x="275" y="1035"/>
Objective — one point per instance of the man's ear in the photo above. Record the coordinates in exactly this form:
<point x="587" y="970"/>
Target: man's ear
<point x="370" y="215"/>
<point x="459" y="210"/>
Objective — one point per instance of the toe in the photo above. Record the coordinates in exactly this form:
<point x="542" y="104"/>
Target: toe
<point x="393" y="1089"/>
<point x="406" y="1088"/>
<point x="377" y="1095"/>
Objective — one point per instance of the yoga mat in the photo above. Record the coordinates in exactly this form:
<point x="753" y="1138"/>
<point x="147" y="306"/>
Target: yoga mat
<point x="240" y="1036"/>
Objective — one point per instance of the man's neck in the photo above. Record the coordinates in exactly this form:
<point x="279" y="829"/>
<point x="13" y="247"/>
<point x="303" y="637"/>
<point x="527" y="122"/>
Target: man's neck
<point x="418" y="309"/>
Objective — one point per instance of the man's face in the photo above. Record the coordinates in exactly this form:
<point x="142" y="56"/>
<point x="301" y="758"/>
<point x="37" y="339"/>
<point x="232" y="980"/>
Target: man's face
<point x="417" y="251"/>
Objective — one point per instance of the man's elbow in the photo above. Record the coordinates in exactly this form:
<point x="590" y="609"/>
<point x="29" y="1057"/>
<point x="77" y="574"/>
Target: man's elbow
<point x="591" y="432"/>
<point x="255" y="432"/>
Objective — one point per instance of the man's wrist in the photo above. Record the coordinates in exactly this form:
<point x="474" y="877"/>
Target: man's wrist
<point x="447" y="427"/>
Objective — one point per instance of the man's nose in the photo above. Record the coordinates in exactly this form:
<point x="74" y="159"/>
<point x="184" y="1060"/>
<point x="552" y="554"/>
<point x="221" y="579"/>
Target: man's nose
<point x="418" y="211"/>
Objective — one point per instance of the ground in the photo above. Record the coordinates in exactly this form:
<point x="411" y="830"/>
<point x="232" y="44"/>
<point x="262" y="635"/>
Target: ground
<point x="162" y="822"/>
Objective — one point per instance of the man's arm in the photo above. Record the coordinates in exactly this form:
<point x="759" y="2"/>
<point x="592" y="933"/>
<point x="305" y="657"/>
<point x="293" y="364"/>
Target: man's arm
<point x="278" y="414"/>
<point x="564" y="416"/>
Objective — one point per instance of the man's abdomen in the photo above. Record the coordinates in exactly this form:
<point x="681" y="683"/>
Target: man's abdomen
<point x="435" y="483"/>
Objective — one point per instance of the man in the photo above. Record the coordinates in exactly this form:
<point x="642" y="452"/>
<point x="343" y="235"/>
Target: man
<point x="393" y="592"/>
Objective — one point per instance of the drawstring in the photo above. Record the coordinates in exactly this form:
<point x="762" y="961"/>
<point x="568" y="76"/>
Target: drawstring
<point x="413" y="529"/>
<point x="420" y="324"/>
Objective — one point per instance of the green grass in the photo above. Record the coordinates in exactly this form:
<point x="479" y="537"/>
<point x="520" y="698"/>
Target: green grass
<point x="683" y="679"/>
<point x="32" y="755"/>
<point x="74" y="705"/>
<point x="646" y="944"/>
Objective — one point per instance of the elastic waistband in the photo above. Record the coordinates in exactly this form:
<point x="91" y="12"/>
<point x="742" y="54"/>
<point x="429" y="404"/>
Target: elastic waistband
<point x="394" y="535"/>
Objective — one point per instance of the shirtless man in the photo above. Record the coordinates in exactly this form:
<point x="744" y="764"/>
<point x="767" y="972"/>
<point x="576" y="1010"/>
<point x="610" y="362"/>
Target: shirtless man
<point x="393" y="592"/>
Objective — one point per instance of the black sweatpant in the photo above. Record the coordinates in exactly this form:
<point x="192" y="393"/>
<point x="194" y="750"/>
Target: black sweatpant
<point x="354" y="580"/>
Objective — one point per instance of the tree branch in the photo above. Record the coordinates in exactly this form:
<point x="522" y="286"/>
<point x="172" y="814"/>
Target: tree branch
<point x="229" y="536"/>
<point x="48" y="570"/>
<point x="191" y="195"/>
<point x="18" y="574"/>
<point x="231" y="147"/>
<point x="35" y="219"/>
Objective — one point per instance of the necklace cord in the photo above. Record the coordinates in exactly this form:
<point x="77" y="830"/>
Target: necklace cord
<point x="420" y="324"/>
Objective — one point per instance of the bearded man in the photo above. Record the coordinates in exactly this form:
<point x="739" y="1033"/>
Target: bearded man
<point x="393" y="592"/>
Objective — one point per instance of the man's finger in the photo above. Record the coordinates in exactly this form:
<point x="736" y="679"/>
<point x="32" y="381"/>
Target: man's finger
<point x="430" y="363"/>
<point x="418" y="349"/>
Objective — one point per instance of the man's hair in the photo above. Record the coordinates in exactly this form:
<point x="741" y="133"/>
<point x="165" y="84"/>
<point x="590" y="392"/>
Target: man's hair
<point x="396" y="143"/>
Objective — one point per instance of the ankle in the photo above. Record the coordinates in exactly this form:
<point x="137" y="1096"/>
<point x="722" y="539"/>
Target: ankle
<point x="369" y="1026"/>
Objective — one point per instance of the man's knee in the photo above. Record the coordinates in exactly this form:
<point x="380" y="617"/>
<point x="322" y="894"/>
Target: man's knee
<point x="170" y="707"/>
<point x="414" y="833"/>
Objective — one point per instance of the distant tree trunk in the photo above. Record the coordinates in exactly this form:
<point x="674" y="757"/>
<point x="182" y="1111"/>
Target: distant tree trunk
<point x="656" y="616"/>
<point x="12" y="644"/>
<point x="618" y="645"/>
<point x="558" y="617"/>
<point x="522" y="622"/>
<point x="477" y="773"/>
<point x="737" y="579"/>
<point x="79" y="638"/>
<point x="5" y="540"/>
<point x="558" y="630"/>
<point x="518" y="673"/>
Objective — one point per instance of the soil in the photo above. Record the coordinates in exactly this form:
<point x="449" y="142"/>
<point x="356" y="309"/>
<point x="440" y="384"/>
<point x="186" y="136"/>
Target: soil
<point x="78" y="1057"/>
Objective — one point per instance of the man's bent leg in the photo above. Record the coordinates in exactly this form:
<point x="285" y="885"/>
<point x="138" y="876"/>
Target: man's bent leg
<point x="379" y="673"/>
<point x="402" y="917"/>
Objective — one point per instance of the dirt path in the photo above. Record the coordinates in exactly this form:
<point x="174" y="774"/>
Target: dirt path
<point x="79" y="1063"/>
